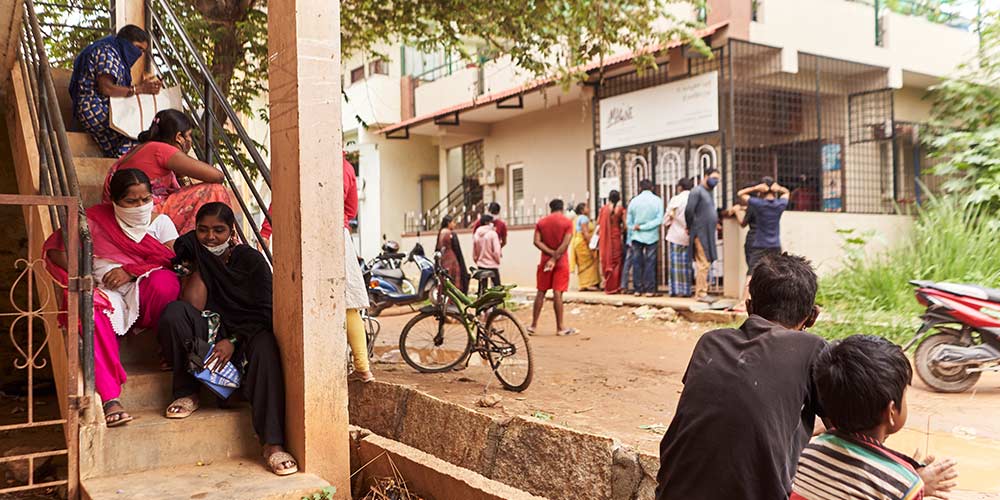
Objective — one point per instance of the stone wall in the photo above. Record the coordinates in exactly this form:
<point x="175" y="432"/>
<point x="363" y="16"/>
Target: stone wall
<point x="530" y="455"/>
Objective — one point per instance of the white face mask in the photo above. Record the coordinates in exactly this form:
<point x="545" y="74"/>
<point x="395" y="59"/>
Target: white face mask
<point x="218" y="250"/>
<point x="134" y="220"/>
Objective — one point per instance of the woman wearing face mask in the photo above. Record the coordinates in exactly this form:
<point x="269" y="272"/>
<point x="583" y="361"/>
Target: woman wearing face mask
<point x="232" y="281"/>
<point x="104" y="70"/>
<point x="132" y="252"/>
<point x="163" y="155"/>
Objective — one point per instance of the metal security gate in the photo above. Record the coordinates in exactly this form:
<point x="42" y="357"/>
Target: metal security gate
<point x="39" y="425"/>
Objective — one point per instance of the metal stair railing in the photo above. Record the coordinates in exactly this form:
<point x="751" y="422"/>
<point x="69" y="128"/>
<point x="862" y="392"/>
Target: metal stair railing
<point x="178" y="62"/>
<point x="59" y="190"/>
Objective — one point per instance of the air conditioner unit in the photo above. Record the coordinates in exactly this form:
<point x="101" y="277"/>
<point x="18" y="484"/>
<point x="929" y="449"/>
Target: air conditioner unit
<point x="491" y="176"/>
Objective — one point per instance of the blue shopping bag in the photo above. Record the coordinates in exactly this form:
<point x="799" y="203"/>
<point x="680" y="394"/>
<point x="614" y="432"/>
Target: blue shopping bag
<point x="222" y="382"/>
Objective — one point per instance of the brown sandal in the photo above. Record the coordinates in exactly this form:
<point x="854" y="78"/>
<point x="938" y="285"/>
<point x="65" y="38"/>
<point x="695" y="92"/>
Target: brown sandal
<point x="123" y="417"/>
<point x="187" y="404"/>
<point x="276" y="459"/>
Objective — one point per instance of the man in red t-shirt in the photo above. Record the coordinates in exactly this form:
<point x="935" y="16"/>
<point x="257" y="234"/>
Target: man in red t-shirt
<point x="552" y="235"/>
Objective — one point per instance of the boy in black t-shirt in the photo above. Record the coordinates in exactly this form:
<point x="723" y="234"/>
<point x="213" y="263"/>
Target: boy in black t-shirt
<point x="749" y="403"/>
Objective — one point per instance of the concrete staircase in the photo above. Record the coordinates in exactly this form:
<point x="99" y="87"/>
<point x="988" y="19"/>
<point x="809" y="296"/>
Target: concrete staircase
<point x="213" y="454"/>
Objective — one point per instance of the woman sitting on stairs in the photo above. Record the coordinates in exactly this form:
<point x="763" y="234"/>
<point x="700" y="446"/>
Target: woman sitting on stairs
<point x="132" y="253"/>
<point x="162" y="153"/>
<point x="233" y="281"/>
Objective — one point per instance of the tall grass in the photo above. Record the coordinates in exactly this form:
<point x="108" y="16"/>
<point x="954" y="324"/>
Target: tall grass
<point x="950" y="241"/>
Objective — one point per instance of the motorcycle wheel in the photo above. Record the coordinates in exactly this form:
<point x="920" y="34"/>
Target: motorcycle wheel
<point x="938" y="378"/>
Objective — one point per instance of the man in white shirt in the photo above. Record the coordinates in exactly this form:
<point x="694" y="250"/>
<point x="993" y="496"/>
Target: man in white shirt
<point x="678" y="240"/>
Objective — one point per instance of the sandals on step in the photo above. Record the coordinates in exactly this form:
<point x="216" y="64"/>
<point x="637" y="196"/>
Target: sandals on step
<point x="123" y="416"/>
<point x="277" y="458"/>
<point x="187" y="404"/>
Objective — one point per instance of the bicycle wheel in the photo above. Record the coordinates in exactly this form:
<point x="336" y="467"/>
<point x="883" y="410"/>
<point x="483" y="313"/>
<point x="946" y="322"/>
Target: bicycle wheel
<point x="430" y="344"/>
<point x="508" y="350"/>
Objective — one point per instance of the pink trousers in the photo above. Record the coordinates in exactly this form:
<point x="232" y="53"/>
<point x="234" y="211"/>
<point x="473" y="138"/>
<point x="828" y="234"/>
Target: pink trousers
<point x="157" y="290"/>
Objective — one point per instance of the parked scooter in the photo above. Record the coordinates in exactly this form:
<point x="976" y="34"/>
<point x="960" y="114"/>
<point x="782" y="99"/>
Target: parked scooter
<point x="966" y="339"/>
<point x="390" y="258"/>
<point x="389" y="286"/>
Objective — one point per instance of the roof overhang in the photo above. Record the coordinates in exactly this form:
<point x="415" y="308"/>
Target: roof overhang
<point x="462" y="118"/>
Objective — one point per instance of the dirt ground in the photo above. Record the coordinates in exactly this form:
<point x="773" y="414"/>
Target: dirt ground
<point x="621" y="377"/>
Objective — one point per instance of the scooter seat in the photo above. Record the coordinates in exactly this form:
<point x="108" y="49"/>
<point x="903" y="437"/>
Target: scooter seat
<point x="393" y="274"/>
<point x="965" y="290"/>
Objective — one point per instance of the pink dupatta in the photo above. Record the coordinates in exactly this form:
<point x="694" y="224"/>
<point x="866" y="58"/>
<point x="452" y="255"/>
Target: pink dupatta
<point x="111" y="243"/>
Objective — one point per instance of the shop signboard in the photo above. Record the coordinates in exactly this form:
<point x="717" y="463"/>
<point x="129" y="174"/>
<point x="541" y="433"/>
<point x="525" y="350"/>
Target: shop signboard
<point x="678" y="109"/>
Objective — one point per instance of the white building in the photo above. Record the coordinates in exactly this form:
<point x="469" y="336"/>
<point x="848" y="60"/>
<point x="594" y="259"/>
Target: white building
<point x="808" y="91"/>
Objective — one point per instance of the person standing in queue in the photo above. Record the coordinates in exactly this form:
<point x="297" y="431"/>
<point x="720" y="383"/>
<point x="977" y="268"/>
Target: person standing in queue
<point x="702" y="220"/>
<point x="552" y="236"/>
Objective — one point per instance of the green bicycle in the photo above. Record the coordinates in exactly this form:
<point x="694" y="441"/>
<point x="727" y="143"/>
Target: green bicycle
<point x="446" y="334"/>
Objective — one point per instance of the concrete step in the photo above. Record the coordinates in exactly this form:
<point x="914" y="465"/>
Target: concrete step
<point x="83" y="146"/>
<point x="152" y="441"/>
<point x="220" y="480"/>
<point x="91" y="173"/>
<point x="61" y="77"/>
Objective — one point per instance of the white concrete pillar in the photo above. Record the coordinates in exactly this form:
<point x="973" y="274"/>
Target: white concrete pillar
<point x="308" y="212"/>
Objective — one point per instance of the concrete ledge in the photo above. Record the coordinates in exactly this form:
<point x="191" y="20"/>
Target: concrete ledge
<point x="538" y="457"/>
<point x="425" y="474"/>
<point x="553" y="461"/>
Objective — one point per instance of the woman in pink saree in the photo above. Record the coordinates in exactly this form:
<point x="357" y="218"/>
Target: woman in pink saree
<point x="132" y="252"/>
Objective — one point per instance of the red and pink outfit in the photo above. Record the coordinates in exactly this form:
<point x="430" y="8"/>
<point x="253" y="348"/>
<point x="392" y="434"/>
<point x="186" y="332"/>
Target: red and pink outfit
<point x="179" y="203"/>
<point x="137" y="303"/>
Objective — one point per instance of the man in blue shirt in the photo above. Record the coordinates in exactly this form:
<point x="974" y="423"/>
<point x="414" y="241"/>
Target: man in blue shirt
<point x="645" y="215"/>
<point x="767" y="207"/>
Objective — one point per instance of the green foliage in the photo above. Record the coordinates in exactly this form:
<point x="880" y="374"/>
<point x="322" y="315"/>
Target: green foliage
<point x="950" y="241"/>
<point x="938" y="11"/>
<point x="324" y="494"/>
<point x="545" y="37"/>
<point x="965" y="128"/>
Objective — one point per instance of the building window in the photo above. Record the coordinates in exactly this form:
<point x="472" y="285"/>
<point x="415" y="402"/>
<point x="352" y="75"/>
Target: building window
<point x="357" y="74"/>
<point x="516" y="213"/>
<point x="378" y="67"/>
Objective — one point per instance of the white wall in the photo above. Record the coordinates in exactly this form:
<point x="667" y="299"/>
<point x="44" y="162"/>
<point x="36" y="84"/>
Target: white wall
<point x="457" y="88"/>
<point x="552" y="144"/>
<point x="402" y="163"/>
<point x="910" y="105"/>
<point x="846" y="30"/>
<point x="810" y="234"/>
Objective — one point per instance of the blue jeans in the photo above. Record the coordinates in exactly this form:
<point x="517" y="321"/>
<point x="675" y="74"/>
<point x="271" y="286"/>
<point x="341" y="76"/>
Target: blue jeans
<point x="644" y="257"/>
<point x="627" y="266"/>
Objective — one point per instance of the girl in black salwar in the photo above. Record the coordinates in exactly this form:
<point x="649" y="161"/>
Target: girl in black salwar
<point x="233" y="281"/>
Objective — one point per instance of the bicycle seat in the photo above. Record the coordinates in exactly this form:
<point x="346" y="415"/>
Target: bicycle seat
<point x="481" y="274"/>
<point x="396" y="274"/>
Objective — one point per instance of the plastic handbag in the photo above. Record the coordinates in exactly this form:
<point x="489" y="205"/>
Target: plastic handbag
<point x="222" y="382"/>
<point x="595" y="239"/>
<point x="130" y="116"/>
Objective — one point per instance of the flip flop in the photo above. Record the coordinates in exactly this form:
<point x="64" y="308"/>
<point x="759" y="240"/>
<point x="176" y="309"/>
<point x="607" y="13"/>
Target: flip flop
<point x="530" y="330"/>
<point x="567" y="332"/>
<point x="277" y="458"/>
<point x="186" y="403"/>
<point x="121" y="420"/>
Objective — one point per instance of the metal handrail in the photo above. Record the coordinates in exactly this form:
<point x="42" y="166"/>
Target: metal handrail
<point x="58" y="170"/>
<point x="172" y="49"/>
<point x="213" y="86"/>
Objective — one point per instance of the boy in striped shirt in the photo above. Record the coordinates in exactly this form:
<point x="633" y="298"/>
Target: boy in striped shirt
<point x="861" y="382"/>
